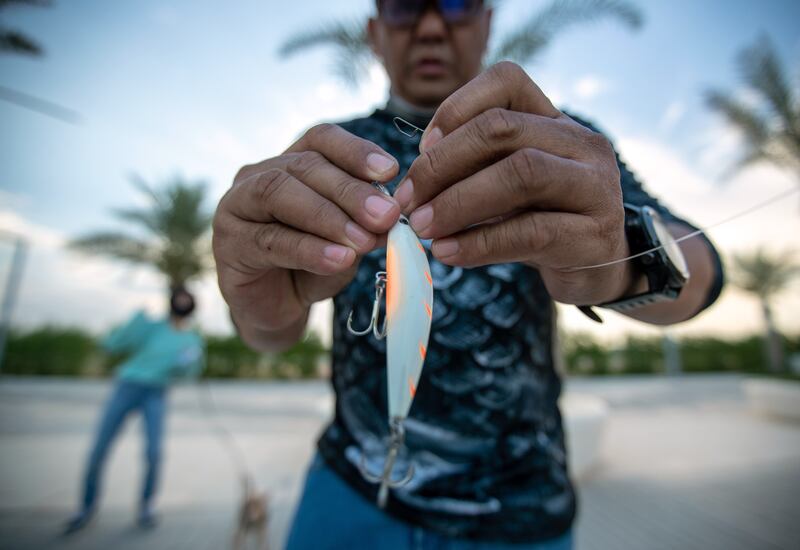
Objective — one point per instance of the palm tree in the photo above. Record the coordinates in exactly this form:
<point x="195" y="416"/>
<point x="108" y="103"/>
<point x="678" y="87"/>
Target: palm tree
<point x="175" y="239"/>
<point x="770" y="125"/>
<point x="522" y="45"/>
<point x="15" y="42"/>
<point x="766" y="276"/>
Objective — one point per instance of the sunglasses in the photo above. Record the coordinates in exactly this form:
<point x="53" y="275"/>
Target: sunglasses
<point x="404" y="13"/>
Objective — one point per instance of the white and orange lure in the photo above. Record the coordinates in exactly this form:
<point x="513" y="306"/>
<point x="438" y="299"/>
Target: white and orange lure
<point x="407" y="325"/>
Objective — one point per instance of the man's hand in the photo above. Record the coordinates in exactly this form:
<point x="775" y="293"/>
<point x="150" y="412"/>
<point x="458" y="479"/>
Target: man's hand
<point x="290" y="230"/>
<point x="503" y="176"/>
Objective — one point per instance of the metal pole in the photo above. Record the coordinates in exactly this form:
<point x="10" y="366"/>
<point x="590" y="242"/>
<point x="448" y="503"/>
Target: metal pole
<point x="10" y="293"/>
<point x="673" y="363"/>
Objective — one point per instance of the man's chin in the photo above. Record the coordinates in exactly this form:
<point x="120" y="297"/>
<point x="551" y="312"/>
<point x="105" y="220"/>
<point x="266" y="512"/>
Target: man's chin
<point x="430" y="92"/>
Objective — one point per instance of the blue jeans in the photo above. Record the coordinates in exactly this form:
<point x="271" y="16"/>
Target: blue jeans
<point x="128" y="397"/>
<point x="332" y="516"/>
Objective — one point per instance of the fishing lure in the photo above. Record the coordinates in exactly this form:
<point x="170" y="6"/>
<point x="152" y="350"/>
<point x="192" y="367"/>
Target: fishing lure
<point x="406" y="326"/>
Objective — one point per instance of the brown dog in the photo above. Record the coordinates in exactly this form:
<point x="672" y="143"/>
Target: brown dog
<point x="253" y="518"/>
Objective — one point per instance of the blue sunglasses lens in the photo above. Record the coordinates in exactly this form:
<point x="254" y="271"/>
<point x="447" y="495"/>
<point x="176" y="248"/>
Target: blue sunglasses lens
<point x="407" y="12"/>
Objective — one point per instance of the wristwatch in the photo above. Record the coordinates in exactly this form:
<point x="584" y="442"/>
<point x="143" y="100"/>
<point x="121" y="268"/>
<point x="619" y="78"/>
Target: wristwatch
<point x="658" y="257"/>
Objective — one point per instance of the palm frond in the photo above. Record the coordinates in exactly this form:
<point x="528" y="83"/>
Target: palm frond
<point x="748" y="121"/>
<point x="764" y="274"/>
<point x="761" y="70"/>
<point x="37" y="3"/>
<point x="771" y="127"/>
<point x="15" y="42"/>
<point x="144" y="218"/>
<point x="176" y="227"/>
<point x="532" y="37"/>
<point x="115" y="245"/>
<point x="349" y="39"/>
<point x="139" y="183"/>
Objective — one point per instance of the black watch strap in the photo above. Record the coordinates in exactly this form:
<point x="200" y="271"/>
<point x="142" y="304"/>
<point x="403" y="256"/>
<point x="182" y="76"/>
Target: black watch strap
<point x="659" y="285"/>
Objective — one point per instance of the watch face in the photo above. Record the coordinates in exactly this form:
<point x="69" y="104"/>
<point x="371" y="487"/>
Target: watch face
<point x="672" y="249"/>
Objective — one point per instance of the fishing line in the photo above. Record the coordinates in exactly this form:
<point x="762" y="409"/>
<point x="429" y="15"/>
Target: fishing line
<point x="702" y="231"/>
<point x="226" y="439"/>
<point x="758" y="206"/>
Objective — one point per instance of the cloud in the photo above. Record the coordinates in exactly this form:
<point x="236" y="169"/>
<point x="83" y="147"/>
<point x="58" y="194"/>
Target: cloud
<point x="590" y="86"/>
<point x="672" y="115"/>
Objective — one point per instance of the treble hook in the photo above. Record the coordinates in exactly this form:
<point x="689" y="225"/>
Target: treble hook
<point x="396" y="437"/>
<point x="380" y="333"/>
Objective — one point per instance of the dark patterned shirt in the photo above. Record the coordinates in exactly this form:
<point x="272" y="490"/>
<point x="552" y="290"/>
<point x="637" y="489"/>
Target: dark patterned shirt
<point x="484" y="432"/>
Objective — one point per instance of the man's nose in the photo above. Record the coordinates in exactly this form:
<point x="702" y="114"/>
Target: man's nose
<point x="431" y="26"/>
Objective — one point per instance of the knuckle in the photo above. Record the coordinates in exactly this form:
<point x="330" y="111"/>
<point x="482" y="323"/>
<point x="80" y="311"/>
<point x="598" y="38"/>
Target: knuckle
<point x="323" y="212"/>
<point x="346" y="191"/>
<point x="266" y="239"/>
<point x="223" y="205"/>
<point x="522" y="164"/>
<point x="539" y="235"/>
<point x="506" y="68"/>
<point x="320" y="131"/>
<point x="219" y="239"/>
<point x="447" y="207"/>
<point x="218" y="225"/>
<point x="450" y="111"/>
<point x="304" y="163"/>
<point x="243" y="173"/>
<point x="483" y="244"/>
<point x="596" y="142"/>
<point x="499" y="124"/>
<point x="613" y="180"/>
<point x="269" y="185"/>
<point x="306" y="256"/>
<point x="509" y="71"/>
<point x="430" y="166"/>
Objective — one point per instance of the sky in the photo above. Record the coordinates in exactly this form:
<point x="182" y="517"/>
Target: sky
<point x="195" y="89"/>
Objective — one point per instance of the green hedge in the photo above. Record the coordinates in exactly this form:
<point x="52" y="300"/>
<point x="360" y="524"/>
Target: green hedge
<point x="53" y="351"/>
<point x="584" y="355"/>
<point x="49" y="351"/>
<point x="73" y="352"/>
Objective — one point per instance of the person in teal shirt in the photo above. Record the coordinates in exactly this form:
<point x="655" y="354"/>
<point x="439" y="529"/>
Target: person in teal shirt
<point x="159" y="352"/>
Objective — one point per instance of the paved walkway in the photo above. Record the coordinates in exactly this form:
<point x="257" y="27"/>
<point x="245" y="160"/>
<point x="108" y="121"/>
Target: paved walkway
<point x="684" y="466"/>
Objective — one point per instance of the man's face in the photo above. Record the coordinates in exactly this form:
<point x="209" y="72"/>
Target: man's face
<point x="430" y="59"/>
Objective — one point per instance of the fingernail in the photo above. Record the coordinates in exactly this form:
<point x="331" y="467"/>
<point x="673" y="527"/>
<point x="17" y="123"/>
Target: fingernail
<point x="336" y="253"/>
<point x="430" y="139"/>
<point x="421" y="218"/>
<point x="378" y="206"/>
<point x="379" y="164"/>
<point x="404" y="193"/>
<point x="442" y="248"/>
<point x="359" y="237"/>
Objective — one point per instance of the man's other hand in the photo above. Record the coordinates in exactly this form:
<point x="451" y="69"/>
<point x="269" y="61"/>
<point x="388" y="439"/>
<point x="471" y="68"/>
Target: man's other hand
<point x="291" y="229"/>
<point x="504" y="176"/>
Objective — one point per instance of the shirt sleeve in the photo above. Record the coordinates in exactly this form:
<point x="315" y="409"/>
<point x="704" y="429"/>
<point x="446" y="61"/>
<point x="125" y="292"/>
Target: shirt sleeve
<point x="191" y="360"/>
<point x="128" y="336"/>
<point x="633" y="192"/>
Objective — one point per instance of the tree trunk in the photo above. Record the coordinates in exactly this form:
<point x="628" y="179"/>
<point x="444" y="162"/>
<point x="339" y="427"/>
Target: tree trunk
<point x="774" y="345"/>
